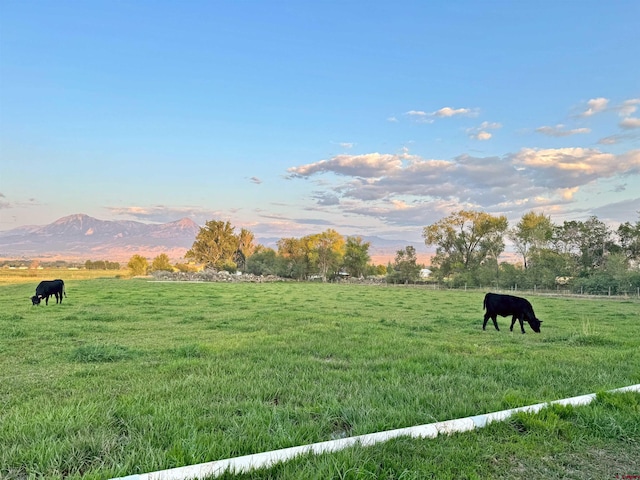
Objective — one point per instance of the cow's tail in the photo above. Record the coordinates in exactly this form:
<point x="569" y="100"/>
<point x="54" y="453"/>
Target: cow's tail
<point x="484" y="303"/>
<point x="64" y="290"/>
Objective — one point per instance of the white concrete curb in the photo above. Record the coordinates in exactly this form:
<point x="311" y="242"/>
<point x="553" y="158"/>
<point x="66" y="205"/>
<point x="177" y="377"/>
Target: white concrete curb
<point x="260" y="460"/>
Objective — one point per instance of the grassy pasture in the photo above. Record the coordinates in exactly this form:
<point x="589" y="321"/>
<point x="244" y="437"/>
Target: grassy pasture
<point x="131" y="376"/>
<point x="33" y="276"/>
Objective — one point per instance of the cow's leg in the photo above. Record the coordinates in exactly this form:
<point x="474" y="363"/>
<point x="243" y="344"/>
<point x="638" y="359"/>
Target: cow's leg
<point x="521" y="325"/>
<point x="46" y="300"/>
<point x="495" y="321"/>
<point x="486" y="319"/>
<point x="513" y="321"/>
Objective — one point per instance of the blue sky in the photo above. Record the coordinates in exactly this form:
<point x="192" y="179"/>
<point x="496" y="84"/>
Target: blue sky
<point x="290" y="117"/>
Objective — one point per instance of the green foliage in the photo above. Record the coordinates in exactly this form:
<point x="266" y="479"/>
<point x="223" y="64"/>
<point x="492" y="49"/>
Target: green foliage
<point x="465" y="239"/>
<point x="405" y="268"/>
<point x="629" y="236"/>
<point x="534" y="231"/>
<point x="138" y="265"/>
<point x="101" y="265"/>
<point x="263" y="262"/>
<point x="215" y="245"/>
<point x="161" y="263"/>
<point x="356" y="256"/>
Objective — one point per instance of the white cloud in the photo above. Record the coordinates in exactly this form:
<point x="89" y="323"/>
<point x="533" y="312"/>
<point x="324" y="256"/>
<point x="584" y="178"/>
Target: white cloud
<point x="628" y="107"/>
<point x="445" y="112"/>
<point x="482" y="136"/>
<point x="390" y="186"/>
<point x="573" y="167"/>
<point x="371" y="165"/>
<point x="162" y="213"/>
<point x="480" y="133"/>
<point x="255" y="180"/>
<point x="560" y="131"/>
<point x="595" y="105"/>
<point x="630" y="123"/>
<point x="451" y="112"/>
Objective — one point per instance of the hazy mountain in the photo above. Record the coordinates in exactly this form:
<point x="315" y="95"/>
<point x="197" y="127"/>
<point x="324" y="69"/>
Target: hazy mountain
<point x="81" y="237"/>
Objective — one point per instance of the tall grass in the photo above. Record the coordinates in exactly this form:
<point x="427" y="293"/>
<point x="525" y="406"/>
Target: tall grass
<point x="129" y="376"/>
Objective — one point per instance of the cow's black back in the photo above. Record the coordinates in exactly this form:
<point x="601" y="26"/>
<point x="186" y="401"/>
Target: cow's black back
<point x="47" y="288"/>
<point x="519" y="308"/>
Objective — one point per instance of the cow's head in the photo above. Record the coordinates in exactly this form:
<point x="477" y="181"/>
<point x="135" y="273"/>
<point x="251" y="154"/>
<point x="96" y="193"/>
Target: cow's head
<point x="534" y="323"/>
<point x="35" y="300"/>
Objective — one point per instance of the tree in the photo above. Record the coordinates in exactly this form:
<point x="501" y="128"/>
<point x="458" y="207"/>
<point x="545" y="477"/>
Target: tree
<point x="293" y="255"/>
<point x="161" y="262"/>
<point x="138" y="265"/>
<point x="246" y="247"/>
<point x="405" y="268"/>
<point x="263" y="262"/>
<point x="534" y="231"/>
<point x="325" y="251"/>
<point x="356" y="256"/>
<point x="464" y="239"/>
<point x="215" y="245"/>
<point x="629" y="236"/>
<point x="595" y="241"/>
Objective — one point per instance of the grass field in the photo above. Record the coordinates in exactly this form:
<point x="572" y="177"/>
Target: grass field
<point x="33" y="276"/>
<point x="131" y="376"/>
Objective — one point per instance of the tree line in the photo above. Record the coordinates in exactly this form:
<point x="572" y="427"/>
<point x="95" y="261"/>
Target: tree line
<point x="468" y="246"/>
<point x="586" y="254"/>
<point x="325" y="255"/>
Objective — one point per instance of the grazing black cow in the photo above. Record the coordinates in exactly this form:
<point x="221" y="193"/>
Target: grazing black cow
<point x="505" y="305"/>
<point x="47" y="288"/>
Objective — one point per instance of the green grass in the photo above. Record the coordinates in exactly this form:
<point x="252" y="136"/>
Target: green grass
<point x="130" y="376"/>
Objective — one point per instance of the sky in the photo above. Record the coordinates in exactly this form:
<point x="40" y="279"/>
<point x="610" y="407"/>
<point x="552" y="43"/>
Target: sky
<point x="292" y="117"/>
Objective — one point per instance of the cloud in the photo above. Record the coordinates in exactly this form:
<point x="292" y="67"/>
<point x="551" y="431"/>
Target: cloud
<point x="572" y="167"/>
<point x="389" y="187"/>
<point x="628" y="107"/>
<point x="163" y="214"/>
<point x="347" y="145"/>
<point x="452" y="112"/>
<point x="326" y="198"/>
<point x="559" y="131"/>
<point x="630" y="123"/>
<point x="595" y="105"/>
<point x="6" y="203"/>
<point x="368" y="166"/>
<point x="392" y="119"/>
<point x="445" y="112"/>
<point x="619" y="138"/>
<point x="255" y="180"/>
<point x="480" y="132"/>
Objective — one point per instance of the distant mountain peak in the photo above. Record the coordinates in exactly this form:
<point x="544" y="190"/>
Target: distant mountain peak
<point x="81" y="237"/>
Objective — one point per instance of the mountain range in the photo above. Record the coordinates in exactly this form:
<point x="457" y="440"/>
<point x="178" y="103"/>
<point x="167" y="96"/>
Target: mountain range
<point x="80" y="237"/>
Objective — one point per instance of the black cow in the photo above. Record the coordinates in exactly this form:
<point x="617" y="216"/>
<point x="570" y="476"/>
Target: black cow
<point x="47" y="288"/>
<point x="505" y="305"/>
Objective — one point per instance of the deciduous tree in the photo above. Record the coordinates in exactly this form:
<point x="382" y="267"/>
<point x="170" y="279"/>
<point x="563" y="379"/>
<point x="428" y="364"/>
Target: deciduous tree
<point x="464" y="239"/>
<point x="138" y="265"/>
<point x="215" y="244"/>
<point x="356" y="256"/>
<point x="161" y="262"/>
<point x="405" y="268"/>
<point x="533" y="231"/>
